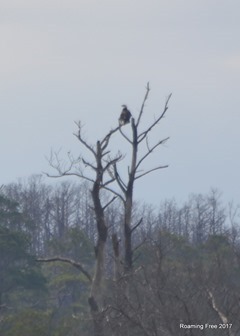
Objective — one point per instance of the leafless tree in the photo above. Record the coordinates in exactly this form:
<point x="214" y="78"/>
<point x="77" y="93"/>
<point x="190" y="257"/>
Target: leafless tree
<point x="101" y="170"/>
<point x="100" y="165"/>
<point x="136" y="171"/>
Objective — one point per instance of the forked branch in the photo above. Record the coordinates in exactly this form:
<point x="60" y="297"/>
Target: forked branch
<point x="78" y="135"/>
<point x="143" y="135"/>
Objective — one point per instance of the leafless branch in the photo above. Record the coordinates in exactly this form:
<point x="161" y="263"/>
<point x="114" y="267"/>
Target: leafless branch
<point x="107" y="182"/>
<point x="106" y="153"/>
<point x="115" y="193"/>
<point x="63" y="168"/>
<point x="143" y="104"/>
<point x="89" y="164"/>
<point x="147" y="144"/>
<point x="119" y="180"/>
<point x="143" y="135"/>
<point x="124" y="135"/>
<point x="150" y="150"/>
<point x="139" y="222"/>
<point x="112" y="162"/>
<point x="80" y="138"/>
<point x="69" y="261"/>
<point x="67" y="168"/>
<point x="112" y="200"/>
<point x="105" y="141"/>
<point x="149" y="171"/>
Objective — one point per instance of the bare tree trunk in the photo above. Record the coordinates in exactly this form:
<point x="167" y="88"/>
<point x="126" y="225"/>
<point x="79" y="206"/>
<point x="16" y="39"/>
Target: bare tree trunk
<point x="128" y="233"/>
<point x="95" y="299"/>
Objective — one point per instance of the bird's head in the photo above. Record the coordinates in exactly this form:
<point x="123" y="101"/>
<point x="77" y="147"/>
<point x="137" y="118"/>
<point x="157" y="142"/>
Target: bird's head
<point x="124" y="106"/>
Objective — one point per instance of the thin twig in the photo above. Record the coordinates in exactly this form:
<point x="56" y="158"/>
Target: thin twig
<point x="143" y="104"/>
<point x="79" y="137"/>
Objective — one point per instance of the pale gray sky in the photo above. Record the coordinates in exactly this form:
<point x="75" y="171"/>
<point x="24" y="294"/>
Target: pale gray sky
<point x="67" y="60"/>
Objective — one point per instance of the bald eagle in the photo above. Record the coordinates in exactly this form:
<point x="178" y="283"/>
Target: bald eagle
<point x="125" y="116"/>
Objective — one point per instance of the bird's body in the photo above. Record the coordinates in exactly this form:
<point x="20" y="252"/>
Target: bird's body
<point x="125" y="116"/>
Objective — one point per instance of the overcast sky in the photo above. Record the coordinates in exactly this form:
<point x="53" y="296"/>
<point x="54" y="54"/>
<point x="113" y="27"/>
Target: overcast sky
<point x="70" y="60"/>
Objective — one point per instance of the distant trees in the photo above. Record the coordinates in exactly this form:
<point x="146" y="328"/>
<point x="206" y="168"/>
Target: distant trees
<point x="175" y="277"/>
<point x="21" y="281"/>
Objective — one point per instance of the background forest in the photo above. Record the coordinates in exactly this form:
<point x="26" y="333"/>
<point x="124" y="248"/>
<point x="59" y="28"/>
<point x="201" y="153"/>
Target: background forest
<point x="86" y="258"/>
<point x="182" y="254"/>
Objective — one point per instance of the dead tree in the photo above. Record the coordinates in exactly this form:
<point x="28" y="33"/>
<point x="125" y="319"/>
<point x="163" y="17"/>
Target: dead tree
<point x="102" y="163"/>
<point x="100" y="166"/>
<point x="126" y="188"/>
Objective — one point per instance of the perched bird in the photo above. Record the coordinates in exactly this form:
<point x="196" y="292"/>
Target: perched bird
<point x="125" y="116"/>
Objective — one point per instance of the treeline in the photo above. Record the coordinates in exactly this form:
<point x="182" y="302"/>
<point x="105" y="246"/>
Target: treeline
<point x="186" y="264"/>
